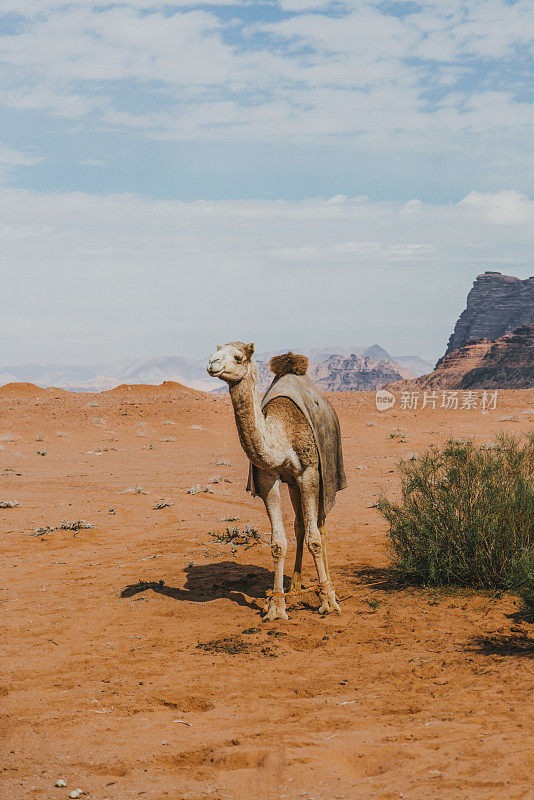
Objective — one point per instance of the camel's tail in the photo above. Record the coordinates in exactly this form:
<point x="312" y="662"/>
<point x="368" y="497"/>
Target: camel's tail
<point x="288" y="364"/>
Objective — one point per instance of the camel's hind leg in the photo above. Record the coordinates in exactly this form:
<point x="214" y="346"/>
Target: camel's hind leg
<point x="296" y="580"/>
<point x="309" y="484"/>
<point x="324" y="537"/>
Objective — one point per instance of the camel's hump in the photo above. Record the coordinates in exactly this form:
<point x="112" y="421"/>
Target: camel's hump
<point x="288" y="364"/>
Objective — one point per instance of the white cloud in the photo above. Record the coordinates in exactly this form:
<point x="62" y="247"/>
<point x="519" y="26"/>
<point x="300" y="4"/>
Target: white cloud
<point x="126" y="275"/>
<point x="303" y="5"/>
<point x="11" y="158"/>
<point x="45" y="7"/>
<point x="178" y="71"/>
<point x="503" y="208"/>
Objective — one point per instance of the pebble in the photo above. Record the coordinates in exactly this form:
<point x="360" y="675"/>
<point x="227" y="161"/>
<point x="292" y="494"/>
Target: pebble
<point x="75" y="793"/>
<point x="61" y="782"/>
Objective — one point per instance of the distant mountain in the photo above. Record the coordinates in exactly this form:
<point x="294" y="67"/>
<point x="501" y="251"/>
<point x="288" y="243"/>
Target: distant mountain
<point x="334" y="369"/>
<point x="98" y="377"/>
<point x="507" y="363"/>
<point x="416" y="364"/>
<point x="376" y="353"/>
<point x="188" y="371"/>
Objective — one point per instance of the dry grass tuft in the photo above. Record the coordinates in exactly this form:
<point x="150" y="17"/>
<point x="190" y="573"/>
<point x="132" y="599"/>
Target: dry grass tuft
<point x="399" y="434"/>
<point x="199" y="490"/>
<point x="248" y="537"/>
<point x="221" y="462"/>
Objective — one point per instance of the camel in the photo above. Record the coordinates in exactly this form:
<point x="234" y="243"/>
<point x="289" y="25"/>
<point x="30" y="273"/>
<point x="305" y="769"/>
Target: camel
<point x="280" y="445"/>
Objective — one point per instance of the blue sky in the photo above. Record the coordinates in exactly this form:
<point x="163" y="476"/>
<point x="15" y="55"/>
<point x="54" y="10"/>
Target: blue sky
<point x="417" y="118"/>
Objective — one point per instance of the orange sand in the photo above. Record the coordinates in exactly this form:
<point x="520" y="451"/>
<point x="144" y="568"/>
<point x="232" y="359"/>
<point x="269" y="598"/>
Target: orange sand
<point x="409" y="694"/>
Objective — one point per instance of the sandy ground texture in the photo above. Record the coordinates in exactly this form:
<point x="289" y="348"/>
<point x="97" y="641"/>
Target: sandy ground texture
<point x="134" y="661"/>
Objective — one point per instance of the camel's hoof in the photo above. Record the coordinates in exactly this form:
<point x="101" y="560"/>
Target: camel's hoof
<point x="329" y="603"/>
<point x="276" y="610"/>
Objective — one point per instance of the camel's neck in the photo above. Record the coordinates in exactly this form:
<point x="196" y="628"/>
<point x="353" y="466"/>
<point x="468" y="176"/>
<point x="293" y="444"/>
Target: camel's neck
<point x="254" y="431"/>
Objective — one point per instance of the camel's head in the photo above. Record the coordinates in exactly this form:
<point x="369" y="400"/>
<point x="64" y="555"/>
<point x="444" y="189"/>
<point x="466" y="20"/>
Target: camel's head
<point x="231" y="361"/>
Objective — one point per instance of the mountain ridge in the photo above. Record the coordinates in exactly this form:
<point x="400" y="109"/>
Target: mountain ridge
<point x="326" y="367"/>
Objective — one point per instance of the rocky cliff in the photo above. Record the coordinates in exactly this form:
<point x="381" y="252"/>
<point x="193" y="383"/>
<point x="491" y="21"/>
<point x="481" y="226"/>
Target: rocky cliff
<point x="497" y="304"/>
<point x="507" y="362"/>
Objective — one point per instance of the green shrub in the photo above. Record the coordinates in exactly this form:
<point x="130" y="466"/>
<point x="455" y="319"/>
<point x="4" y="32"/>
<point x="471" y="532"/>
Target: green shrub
<point x="467" y="515"/>
<point x="527" y="595"/>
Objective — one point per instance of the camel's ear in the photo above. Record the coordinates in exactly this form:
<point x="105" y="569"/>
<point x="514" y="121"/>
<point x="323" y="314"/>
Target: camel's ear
<point x="219" y="347"/>
<point x="249" y="349"/>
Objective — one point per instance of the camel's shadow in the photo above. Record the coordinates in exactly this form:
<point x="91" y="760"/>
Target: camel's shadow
<point x="206" y="582"/>
<point x="503" y="645"/>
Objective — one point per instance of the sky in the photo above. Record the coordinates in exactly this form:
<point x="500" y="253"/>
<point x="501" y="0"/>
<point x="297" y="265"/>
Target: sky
<point x="294" y="172"/>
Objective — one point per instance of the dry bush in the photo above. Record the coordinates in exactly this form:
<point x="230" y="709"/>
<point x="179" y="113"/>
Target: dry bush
<point x="162" y="504"/>
<point x="467" y="515"/>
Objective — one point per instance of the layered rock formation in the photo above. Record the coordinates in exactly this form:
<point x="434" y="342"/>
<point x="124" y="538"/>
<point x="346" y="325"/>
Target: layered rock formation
<point x="497" y="304"/>
<point x="508" y="362"/>
<point x="355" y="373"/>
<point x="351" y="373"/>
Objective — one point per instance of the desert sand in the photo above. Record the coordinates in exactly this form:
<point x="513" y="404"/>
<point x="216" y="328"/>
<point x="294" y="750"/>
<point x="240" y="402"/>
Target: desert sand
<point x="176" y="689"/>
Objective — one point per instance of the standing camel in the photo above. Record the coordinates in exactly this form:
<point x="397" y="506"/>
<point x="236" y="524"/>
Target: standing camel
<point x="292" y="436"/>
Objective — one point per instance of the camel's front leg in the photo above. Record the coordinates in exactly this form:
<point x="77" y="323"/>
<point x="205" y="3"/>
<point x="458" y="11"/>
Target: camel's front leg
<point x="309" y="483"/>
<point x="269" y="491"/>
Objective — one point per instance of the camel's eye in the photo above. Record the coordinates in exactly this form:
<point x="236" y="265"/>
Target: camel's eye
<point x="239" y="359"/>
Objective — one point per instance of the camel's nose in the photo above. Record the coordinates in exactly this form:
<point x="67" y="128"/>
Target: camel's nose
<point x="213" y="364"/>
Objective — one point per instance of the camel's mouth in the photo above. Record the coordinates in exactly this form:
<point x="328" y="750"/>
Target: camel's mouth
<point x="215" y="373"/>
